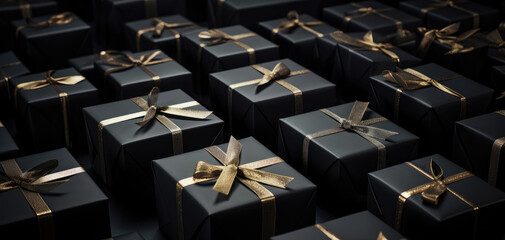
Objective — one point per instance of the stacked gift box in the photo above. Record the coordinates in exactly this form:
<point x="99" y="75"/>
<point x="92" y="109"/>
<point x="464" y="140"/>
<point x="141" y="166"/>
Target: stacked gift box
<point x="266" y="119"/>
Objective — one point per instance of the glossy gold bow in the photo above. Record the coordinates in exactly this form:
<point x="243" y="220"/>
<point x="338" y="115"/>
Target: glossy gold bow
<point x="293" y="21"/>
<point x="159" y="27"/>
<point x="444" y="36"/>
<point x="215" y="36"/>
<point x="433" y="193"/>
<point x="49" y="79"/>
<point x="366" y="43"/>
<point x="497" y="41"/>
<point x="58" y="19"/>
<point x="280" y="71"/>
<point x="125" y="61"/>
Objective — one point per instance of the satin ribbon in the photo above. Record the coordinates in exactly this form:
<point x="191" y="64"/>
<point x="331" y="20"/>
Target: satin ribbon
<point x="445" y="36"/>
<point x="157" y="31"/>
<point x="494" y="159"/>
<point x="32" y="183"/>
<point x="247" y="174"/>
<point x="437" y="4"/>
<point x="49" y="80"/>
<point x="150" y="112"/>
<point x="366" y="43"/>
<point x="124" y="61"/>
<point x="277" y="75"/>
<point x="151" y="8"/>
<point x="293" y="21"/>
<point x="6" y="77"/>
<point x="497" y="41"/>
<point x="24" y="7"/>
<point x="55" y="20"/>
<point x="332" y="236"/>
<point x="410" y="79"/>
<point x="432" y="190"/>
<point x="354" y="123"/>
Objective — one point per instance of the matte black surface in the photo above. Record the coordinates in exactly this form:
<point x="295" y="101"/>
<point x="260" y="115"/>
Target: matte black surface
<point x="8" y="147"/>
<point x="6" y="108"/>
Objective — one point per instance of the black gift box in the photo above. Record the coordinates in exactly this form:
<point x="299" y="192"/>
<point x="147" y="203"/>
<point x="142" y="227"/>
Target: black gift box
<point x="39" y="112"/>
<point x="85" y="65"/>
<point x="208" y="214"/>
<point x="429" y="112"/>
<point x="129" y="149"/>
<point x="135" y="82"/>
<point x="80" y="210"/>
<point x="452" y="218"/>
<point x="8" y="148"/>
<point x="362" y="225"/>
<point x="473" y="142"/>
<point x="257" y="109"/>
<point x="224" y="56"/>
<point x="441" y="17"/>
<point x="297" y="43"/>
<point x="249" y="13"/>
<point x="51" y="47"/>
<point x="10" y="67"/>
<point x="339" y="163"/>
<point x="498" y="84"/>
<point x="129" y="236"/>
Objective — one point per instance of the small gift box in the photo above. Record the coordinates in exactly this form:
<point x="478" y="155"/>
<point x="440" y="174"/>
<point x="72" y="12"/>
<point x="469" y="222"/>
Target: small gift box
<point x="50" y="196"/>
<point x="48" y="42"/>
<point x="498" y="84"/>
<point x="427" y="100"/>
<point x="125" y="75"/>
<point x="362" y="225"/>
<point x="269" y="197"/>
<point x="223" y="49"/>
<point x="85" y="65"/>
<point x="440" y="13"/>
<point x="253" y="98"/>
<point x="49" y="108"/>
<point x="336" y="147"/>
<point x="433" y="198"/>
<point x="125" y="136"/>
<point x="296" y="35"/>
<point x="478" y="147"/>
<point x="8" y="148"/>
<point x="10" y="67"/>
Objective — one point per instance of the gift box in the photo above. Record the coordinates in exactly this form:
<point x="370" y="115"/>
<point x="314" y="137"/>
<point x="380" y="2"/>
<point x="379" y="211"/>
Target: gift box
<point x="496" y="51"/>
<point x="254" y="207"/>
<point x="296" y="35"/>
<point x="129" y="236"/>
<point x="223" y="49"/>
<point x="433" y="198"/>
<point x="438" y="14"/>
<point x="252" y="99"/>
<point x="85" y="65"/>
<point x="49" y="108"/>
<point x="337" y="159"/>
<point x="8" y="147"/>
<point x="127" y="75"/>
<point x="10" y="67"/>
<point x="59" y="200"/>
<point x="48" y="42"/>
<point x="248" y="14"/>
<point x="427" y="100"/>
<point x="498" y="84"/>
<point x="362" y="225"/>
<point x="162" y="33"/>
<point x="478" y="144"/>
<point x="357" y="56"/>
<point x="123" y="143"/>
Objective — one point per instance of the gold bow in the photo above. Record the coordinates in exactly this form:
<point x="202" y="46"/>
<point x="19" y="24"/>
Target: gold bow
<point x="433" y="193"/>
<point x="366" y="43"/>
<point x="444" y="36"/>
<point x="332" y="236"/>
<point x="280" y="71"/>
<point x="436" y="4"/>
<point x="58" y="19"/>
<point x="497" y="41"/>
<point x="293" y="21"/>
<point x="6" y="77"/>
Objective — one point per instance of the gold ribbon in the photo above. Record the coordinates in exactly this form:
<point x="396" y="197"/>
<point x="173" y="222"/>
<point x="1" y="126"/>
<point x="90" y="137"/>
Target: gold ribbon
<point x="448" y="3"/>
<point x="432" y="190"/>
<point x="356" y="124"/>
<point x="49" y="80"/>
<point x="501" y="96"/>
<point x="150" y="112"/>
<point x="366" y="43"/>
<point x="444" y="36"/>
<point x="494" y="160"/>
<point x="293" y="21"/>
<point x="151" y="8"/>
<point x="6" y="77"/>
<point x="55" y="20"/>
<point x="32" y="183"/>
<point x="497" y="41"/>
<point x="410" y="79"/>
<point x="277" y="75"/>
<point x="332" y="236"/>
<point x="247" y="174"/>
<point x="159" y="27"/>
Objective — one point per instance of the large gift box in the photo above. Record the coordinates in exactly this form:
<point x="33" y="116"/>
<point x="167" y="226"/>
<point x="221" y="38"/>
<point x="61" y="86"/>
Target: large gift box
<point x="125" y="136"/>
<point x="362" y="225"/>
<point x="49" y="196"/>
<point x="296" y="35"/>
<point x="268" y="196"/>
<point x="478" y="147"/>
<point x="125" y="75"/>
<point x="49" y="108"/>
<point x="337" y="157"/>
<point x="48" y="42"/>
<point x="433" y="198"/>
<point x="253" y="98"/>
<point x="10" y="67"/>
<point x="8" y="147"/>
<point x="223" y="49"/>
<point x="427" y="100"/>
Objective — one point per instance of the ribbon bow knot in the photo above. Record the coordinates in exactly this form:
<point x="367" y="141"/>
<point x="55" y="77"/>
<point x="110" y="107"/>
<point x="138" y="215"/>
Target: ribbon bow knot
<point x="445" y="36"/>
<point x="293" y="21"/>
<point x="215" y="37"/>
<point x="160" y="26"/>
<point x="50" y="80"/>
<point x="280" y="71"/>
<point x="433" y="193"/>
<point x="58" y="19"/>
<point x="497" y="41"/>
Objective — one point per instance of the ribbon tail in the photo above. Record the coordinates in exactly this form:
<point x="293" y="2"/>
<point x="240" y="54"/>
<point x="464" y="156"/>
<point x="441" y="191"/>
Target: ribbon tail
<point x="40" y="170"/>
<point x="226" y="179"/>
<point x="189" y="113"/>
<point x="150" y="115"/>
<point x="43" y="187"/>
<point x="264" y="177"/>
<point x="374" y="132"/>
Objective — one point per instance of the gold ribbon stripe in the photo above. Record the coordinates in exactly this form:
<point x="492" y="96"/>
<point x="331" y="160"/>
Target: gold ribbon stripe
<point x="293" y="20"/>
<point x="55" y="20"/>
<point x="6" y="77"/>
<point x="444" y="3"/>
<point x="494" y="160"/>
<point x="327" y="232"/>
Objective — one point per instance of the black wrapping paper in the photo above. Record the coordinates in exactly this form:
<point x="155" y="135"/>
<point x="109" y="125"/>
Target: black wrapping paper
<point x="498" y="84"/>
<point x="6" y="106"/>
<point x="85" y="65"/>
<point x="8" y="147"/>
